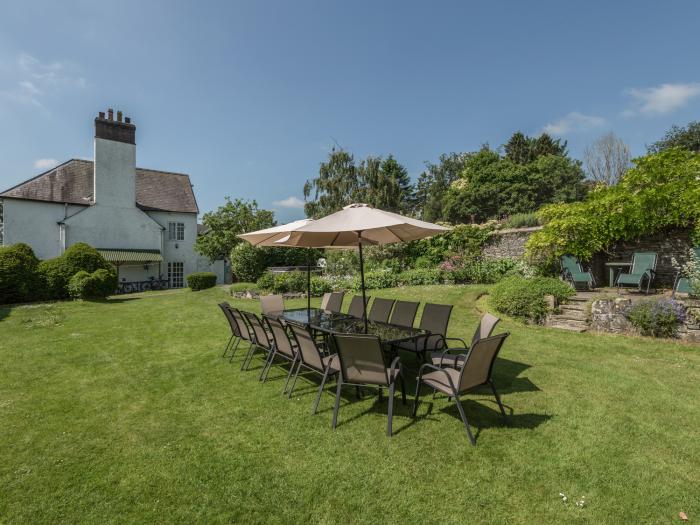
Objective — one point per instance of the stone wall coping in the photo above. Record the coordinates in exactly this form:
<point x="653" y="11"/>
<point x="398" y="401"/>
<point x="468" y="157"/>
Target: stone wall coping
<point x="528" y="229"/>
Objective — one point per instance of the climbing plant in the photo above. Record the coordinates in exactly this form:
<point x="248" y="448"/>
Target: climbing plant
<point x="661" y="191"/>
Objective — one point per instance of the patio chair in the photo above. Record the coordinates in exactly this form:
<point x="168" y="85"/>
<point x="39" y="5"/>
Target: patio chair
<point x="643" y="268"/>
<point x="362" y="364"/>
<point x="381" y="309"/>
<point x="311" y="358"/>
<point x="434" y="319"/>
<point x="487" y="324"/>
<point x="271" y="303"/>
<point x="355" y="309"/>
<point x="261" y="339"/>
<point x="235" y="339"/>
<point x="334" y="303"/>
<point x="282" y="347"/>
<point x="682" y="284"/>
<point x="244" y="329"/>
<point x="475" y="372"/>
<point x="572" y="272"/>
<point x="404" y="313"/>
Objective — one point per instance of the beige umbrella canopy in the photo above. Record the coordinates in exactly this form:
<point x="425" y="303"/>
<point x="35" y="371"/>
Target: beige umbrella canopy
<point x="358" y="225"/>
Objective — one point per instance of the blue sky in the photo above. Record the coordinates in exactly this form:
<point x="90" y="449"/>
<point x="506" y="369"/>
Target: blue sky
<point x="249" y="97"/>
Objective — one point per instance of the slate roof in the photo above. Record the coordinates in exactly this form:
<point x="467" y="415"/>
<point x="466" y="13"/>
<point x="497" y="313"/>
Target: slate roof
<point x="72" y="182"/>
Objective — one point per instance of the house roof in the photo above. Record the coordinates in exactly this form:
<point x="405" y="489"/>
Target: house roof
<point x="72" y="182"/>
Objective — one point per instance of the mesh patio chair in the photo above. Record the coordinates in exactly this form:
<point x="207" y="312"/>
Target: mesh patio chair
<point x="271" y="303"/>
<point x="261" y="339"/>
<point x="381" y="309"/>
<point x="572" y="271"/>
<point x="362" y="364"/>
<point x="682" y="284"/>
<point x="475" y="372"/>
<point x="434" y="319"/>
<point x="311" y="358"/>
<point x="335" y="302"/>
<point x="487" y="324"/>
<point x="643" y="267"/>
<point x="235" y="339"/>
<point x="282" y="347"/>
<point x="404" y="313"/>
<point x="244" y="330"/>
<point x="355" y="309"/>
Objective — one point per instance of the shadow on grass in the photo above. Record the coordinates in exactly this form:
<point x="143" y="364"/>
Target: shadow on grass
<point x="4" y="312"/>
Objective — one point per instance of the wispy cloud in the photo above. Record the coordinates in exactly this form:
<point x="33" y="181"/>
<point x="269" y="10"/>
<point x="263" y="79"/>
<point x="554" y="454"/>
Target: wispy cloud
<point x="660" y="100"/>
<point x="573" y="121"/>
<point x="30" y="81"/>
<point x="45" y="164"/>
<point x="290" y="202"/>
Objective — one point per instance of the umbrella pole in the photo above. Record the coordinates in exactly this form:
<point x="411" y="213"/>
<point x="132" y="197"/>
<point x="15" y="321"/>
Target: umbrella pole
<point x="308" y="283"/>
<point x="362" y="280"/>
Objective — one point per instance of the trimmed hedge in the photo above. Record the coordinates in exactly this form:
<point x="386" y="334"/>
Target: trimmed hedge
<point x="201" y="280"/>
<point x="18" y="278"/>
<point x="525" y="298"/>
<point x="96" y="285"/>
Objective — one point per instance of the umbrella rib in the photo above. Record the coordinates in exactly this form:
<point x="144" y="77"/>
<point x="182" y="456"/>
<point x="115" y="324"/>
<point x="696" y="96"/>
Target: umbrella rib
<point x="266" y="239"/>
<point x="394" y="234"/>
<point x="334" y="239"/>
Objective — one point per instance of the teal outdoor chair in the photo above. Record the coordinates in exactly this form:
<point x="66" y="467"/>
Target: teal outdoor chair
<point x="572" y="271"/>
<point x="643" y="269"/>
<point x="682" y="284"/>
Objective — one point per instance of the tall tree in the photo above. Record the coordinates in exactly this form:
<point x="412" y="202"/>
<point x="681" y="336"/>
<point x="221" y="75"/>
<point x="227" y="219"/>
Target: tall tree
<point x="687" y="137"/>
<point x="386" y="184"/>
<point x="337" y="184"/>
<point x="607" y="159"/>
<point x="522" y="149"/>
<point x="434" y="182"/>
<point x="226" y="223"/>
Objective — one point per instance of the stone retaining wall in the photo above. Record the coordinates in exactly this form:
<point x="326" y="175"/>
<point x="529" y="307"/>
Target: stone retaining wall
<point x="509" y="243"/>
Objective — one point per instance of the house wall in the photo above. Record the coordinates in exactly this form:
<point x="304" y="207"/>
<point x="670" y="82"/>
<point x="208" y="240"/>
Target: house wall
<point x="115" y="173"/>
<point x="36" y="224"/>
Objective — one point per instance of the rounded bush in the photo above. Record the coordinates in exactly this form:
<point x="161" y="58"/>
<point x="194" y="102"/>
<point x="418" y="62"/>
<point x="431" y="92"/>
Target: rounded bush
<point x="266" y="281"/>
<point x="54" y="275"/>
<point x="81" y="256"/>
<point x="525" y="298"/>
<point x="201" y="280"/>
<point x="248" y="263"/>
<point x="18" y="274"/>
<point x="96" y="285"/>
<point x="420" y="277"/>
<point x="320" y="285"/>
<point x="376" y="280"/>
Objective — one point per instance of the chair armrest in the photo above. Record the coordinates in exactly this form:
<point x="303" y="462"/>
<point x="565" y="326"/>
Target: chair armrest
<point x="455" y="339"/>
<point x="437" y="369"/>
<point x="463" y="351"/>
<point x="396" y="362"/>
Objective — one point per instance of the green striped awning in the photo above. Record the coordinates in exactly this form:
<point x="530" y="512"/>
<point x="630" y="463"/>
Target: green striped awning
<point x="140" y="256"/>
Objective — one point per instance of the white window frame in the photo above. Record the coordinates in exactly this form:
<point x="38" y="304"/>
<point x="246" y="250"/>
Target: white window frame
<point x="176" y="231"/>
<point x="176" y="274"/>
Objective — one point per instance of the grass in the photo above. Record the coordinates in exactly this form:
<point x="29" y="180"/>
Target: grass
<point x="124" y="412"/>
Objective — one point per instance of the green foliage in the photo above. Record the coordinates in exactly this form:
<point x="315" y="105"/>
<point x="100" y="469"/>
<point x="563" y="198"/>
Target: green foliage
<point x="433" y="184"/>
<point x="375" y="280"/>
<point x="244" y="287"/>
<point x="18" y="274"/>
<point x="467" y="240"/>
<point x="485" y="271"/>
<point x="420" y="276"/>
<point x="341" y="262"/>
<point x="227" y="222"/>
<point x="289" y="282"/>
<point x="266" y="281"/>
<point x="657" y="317"/>
<point x="522" y="149"/>
<point x="521" y="220"/>
<point x="491" y="187"/>
<point x="96" y="285"/>
<point x="320" y="285"/>
<point x="525" y="298"/>
<point x="687" y="137"/>
<point x="660" y="191"/>
<point x="81" y="256"/>
<point x="294" y="282"/>
<point x="248" y="262"/>
<point x="54" y="275"/>
<point x="201" y="280"/>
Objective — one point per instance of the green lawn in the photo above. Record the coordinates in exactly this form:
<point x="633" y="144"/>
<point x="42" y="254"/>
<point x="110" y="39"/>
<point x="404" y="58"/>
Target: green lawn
<point x="124" y="412"/>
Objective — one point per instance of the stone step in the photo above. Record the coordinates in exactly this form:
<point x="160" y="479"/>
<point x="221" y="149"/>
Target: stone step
<point x="568" y="324"/>
<point x="570" y="315"/>
<point x="577" y="307"/>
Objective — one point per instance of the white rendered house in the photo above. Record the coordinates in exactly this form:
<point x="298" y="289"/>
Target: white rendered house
<point x="143" y="221"/>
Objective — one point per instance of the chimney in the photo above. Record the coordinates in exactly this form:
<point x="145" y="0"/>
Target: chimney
<point x="119" y="116"/>
<point x="110" y="112"/>
<point x="115" y="161"/>
<point x="116" y="130"/>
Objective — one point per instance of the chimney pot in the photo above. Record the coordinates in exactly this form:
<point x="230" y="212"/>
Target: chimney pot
<point x="127" y="120"/>
<point x="119" y="116"/>
<point x="110" y="114"/>
<point x="102" y="115"/>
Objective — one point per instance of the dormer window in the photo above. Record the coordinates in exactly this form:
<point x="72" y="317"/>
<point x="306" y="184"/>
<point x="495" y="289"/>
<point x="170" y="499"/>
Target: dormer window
<point x="176" y="231"/>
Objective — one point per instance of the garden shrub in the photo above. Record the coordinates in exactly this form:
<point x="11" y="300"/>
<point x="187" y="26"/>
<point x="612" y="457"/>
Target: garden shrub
<point x="266" y="281"/>
<point x="54" y="275"/>
<point x="341" y="262"/>
<point x="690" y="270"/>
<point x="375" y="280"/>
<point x="521" y="220"/>
<point x="244" y="287"/>
<point x="18" y="274"/>
<point x="96" y="285"/>
<point x="420" y="277"/>
<point x="289" y="282"/>
<point x="657" y="317"/>
<point x="81" y="256"/>
<point x="201" y="280"/>
<point x="525" y="298"/>
<point x="320" y="285"/>
<point x="248" y="263"/>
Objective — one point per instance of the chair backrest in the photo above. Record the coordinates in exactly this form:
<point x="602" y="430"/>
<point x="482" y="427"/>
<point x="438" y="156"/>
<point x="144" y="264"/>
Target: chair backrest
<point x="381" y="309"/>
<point x="260" y="335"/>
<point x="335" y="302"/>
<point x="404" y="313"/>
<point x="280" y="336"/>
<point x="308" y="351"/>
<point x="361" y="359"/>
<point x="571" y="264"/>
<point x="226" y="309"/>
<point x="486" y="325"/>
<point x="355" y="309"/>
<point x="478" y="365"/>
<point x="435" y="318"/>
<point x="242" y="324"/>
<point x="643" y="261"/>
<point x="271" y="303"/>
<point x="324" y="300"/>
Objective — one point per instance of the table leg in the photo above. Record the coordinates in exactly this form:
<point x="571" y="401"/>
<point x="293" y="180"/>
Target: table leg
<point x="612" y="276"/>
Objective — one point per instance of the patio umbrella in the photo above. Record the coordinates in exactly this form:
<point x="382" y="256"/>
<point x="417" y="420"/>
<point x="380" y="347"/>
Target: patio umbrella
<point x="270" y="236"/>
<point x="358" y="225"/>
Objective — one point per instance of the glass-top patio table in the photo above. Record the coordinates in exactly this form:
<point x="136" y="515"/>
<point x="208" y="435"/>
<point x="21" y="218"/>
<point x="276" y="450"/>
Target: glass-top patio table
<point x="330" y="323"/>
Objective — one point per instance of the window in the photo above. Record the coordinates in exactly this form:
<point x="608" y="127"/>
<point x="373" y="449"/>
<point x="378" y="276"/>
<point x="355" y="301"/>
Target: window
<point x="176" y="272"/>
<point x="176" y="231"/>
